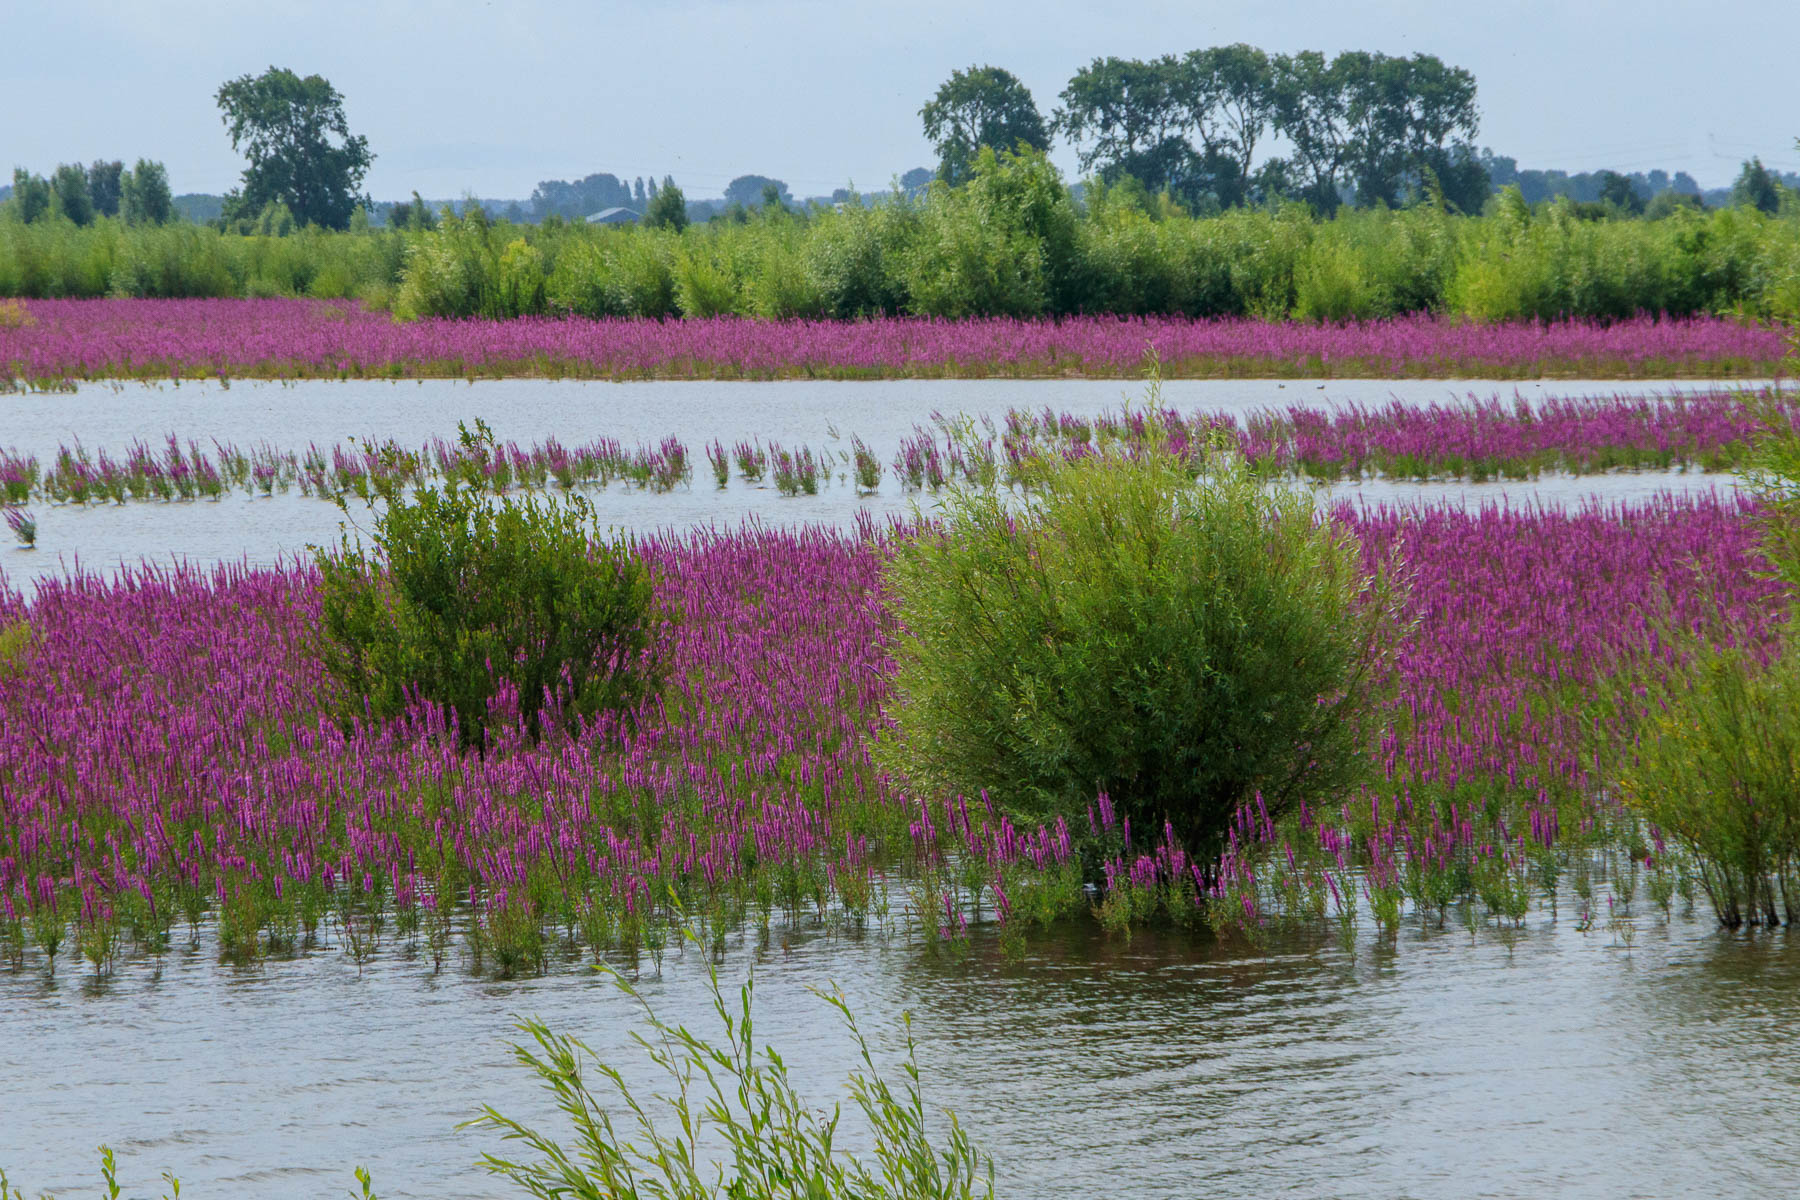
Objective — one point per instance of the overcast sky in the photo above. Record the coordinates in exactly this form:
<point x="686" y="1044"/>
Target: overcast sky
<point x="490" y="97"/>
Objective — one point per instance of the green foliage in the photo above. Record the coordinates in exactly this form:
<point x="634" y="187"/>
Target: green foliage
<point x="1756" y="188"/>
<point x="104" y="181"/>
<point x="144" y="197"/>
<point x="980" y="107"/>
<point x="751" y="190"/>
<point x="776" y="1146"/>
<point x="301" y="151"/>
<point x="30" y="199"/>
<point x="464" y="593"/>
<point x="17" y="644"/>
<point x="1177" y="643"/>
<point x="1717" y="769"/>
<point x="1716" y="764"/>
<point x="1774" y="477"/>
<point x="667" y="209"/>
<point x="1012" y="240"/>
<point x="69" y="185"/>
<point x="1003" y="245"/>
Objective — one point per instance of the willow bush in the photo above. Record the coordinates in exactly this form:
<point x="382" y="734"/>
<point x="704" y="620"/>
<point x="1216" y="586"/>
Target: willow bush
<point x="1713" y="760"/>
<point x="464" y="594"/>
<point x="1182" y="644"/>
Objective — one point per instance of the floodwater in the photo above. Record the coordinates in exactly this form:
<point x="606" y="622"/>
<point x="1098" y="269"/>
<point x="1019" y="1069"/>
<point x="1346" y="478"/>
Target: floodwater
<point x="290" y="416"/>
<point x="1539" y="1062"/>
<point x="1547" y="1061"/>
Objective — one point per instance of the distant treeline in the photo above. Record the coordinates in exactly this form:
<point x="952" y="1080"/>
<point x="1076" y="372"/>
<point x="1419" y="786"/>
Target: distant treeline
<point x="1012" y="241"/>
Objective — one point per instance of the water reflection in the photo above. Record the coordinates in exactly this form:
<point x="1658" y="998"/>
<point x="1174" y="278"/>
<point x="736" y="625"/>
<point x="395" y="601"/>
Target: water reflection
<point x="1543" y="1062"/>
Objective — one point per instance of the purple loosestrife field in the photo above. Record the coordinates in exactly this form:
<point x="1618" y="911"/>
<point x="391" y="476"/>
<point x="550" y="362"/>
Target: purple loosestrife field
<point x="165" y="762"/>
<point x="1482" y="440"/>
<point x="162" y="339"/>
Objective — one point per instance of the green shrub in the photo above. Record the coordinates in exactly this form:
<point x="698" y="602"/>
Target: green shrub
<point x="465" y="592"/>
<point x="1774" y="477"/>
<point x="1717" y="769"/>
<point x="1179" y="644"/>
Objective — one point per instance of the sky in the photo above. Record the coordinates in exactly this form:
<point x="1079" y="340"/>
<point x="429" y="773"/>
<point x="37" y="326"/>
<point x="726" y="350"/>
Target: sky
<point x="487" y="97"/>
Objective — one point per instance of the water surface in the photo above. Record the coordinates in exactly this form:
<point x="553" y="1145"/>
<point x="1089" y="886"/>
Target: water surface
<point x="1525" y="1063"/>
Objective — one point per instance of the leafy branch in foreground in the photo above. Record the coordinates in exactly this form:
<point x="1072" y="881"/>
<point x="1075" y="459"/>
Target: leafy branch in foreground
<point x="736" y="1117"/>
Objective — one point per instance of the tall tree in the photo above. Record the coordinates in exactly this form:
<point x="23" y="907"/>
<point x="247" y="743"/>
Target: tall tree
<point x="1616" y="190"/>
<point x="748" y="190"/>
<point x="144" y="197"/>
<point x="1307" y="103"/>
<point x="982" y="106"/>
<point x="1374" y="122"/>
<point x="69" y="183"/>
<point x="300" y="148"/>
<point x="1228" y="91"/>
<point x="30" y="195"/>
<point x="1132" y="117"/>
<point x="1756" y="188"/>
<point x="103" y="186"/>
<point x="667" y="208"/>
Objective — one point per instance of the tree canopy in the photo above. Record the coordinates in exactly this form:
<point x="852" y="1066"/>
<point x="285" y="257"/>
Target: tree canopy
<point x="144" y="197"/>
<point x="751" y="190"/>
<point x="667" y="207"/>
<point x="301" y="151"/>
<point x="982" y="106"/>
<point x="1190" y="124"/>
<point x="1756" y="188"/>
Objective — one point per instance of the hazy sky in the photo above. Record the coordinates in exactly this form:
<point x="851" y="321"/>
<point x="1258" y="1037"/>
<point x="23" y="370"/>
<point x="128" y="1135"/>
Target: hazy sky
<point x="490" y="97"/>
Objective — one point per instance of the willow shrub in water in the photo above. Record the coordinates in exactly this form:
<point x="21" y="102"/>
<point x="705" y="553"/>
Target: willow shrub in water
<point x="1180" y="644"/>
<point x="466" y="592"/>
<point x="1717" y="769"/>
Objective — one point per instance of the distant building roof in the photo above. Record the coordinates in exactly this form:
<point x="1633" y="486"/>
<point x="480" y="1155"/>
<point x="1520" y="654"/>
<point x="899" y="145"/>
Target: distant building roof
<point x="613" y="216"/>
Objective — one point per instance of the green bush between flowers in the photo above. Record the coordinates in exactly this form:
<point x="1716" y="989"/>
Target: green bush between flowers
<point x="464" y="591"/>
<point x="1179" y="643"/>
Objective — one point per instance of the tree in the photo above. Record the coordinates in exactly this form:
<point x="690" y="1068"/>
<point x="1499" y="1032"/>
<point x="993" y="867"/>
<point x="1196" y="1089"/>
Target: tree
<point x="1462" y="178"/>
<point x="749" y="190"/>
<point x="103" y="186"/>
<point x="1307" y="101"/>
<point x="581" y="198"/>
<point x="1399" y="114"/>
<point x="1228" y="91"/>
<point x="982" y="106"/>
<point x="1756" y="188"/>
<point x="30" y="195"/>
<point x="1617" y="191"/>
<point x="300" y="148"/>
<point x="667" y="208"/>
<point x="69" y="184"/>
<point x="1133" y="116"/>
<point x="1374" y="122"/>
<point x="412" y="214"/>
<point x="915" y="180"/>
<point x="144" y="197"/>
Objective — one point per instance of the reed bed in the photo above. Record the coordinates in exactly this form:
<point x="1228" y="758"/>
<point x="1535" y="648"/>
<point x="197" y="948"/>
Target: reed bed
<point x="166" y="763"/>
<point x="67" y="340"/>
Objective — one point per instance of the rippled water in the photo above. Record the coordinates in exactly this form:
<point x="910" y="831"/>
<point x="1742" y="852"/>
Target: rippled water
<point x="1528" y="1063"/>
<point x="1542" y="1062"/>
